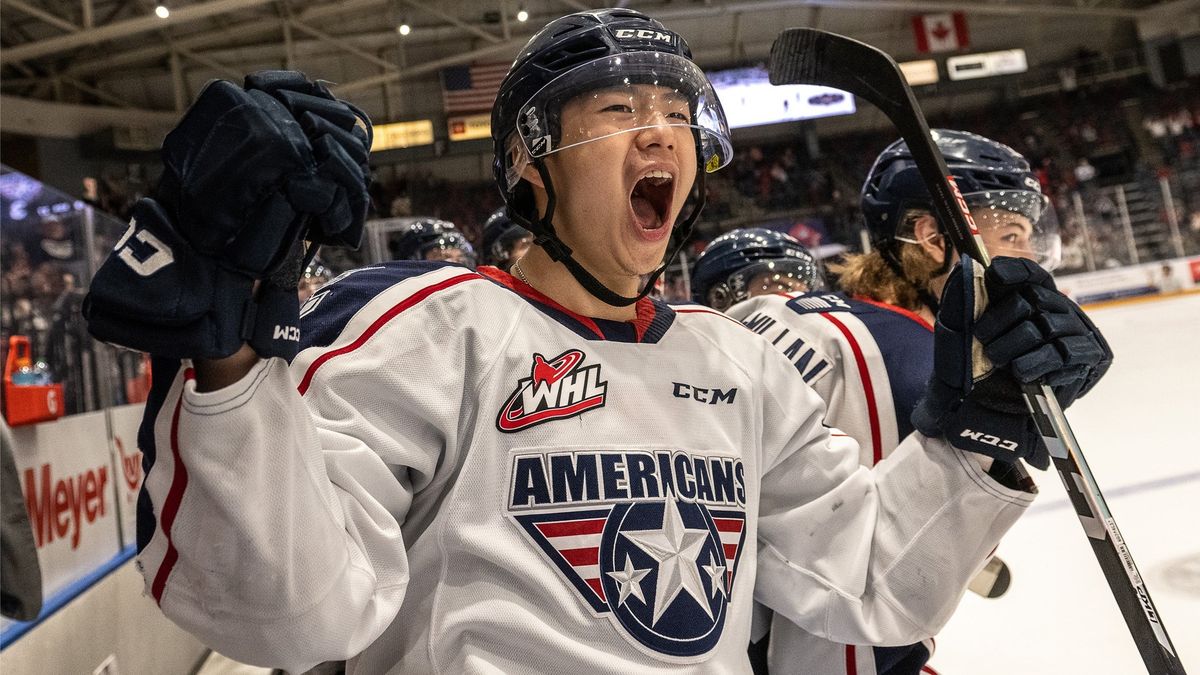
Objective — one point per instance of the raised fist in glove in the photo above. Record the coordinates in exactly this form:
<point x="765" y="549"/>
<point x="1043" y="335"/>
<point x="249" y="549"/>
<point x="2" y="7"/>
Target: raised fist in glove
<point x="997" y="329"/>
<point x="248" y="174"/>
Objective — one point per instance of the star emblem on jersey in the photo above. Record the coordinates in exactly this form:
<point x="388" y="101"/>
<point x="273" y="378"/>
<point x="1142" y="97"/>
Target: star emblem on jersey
<point x="649" y="540"/>
<point x="556" y="389"/>
<point x="675" y="549"/>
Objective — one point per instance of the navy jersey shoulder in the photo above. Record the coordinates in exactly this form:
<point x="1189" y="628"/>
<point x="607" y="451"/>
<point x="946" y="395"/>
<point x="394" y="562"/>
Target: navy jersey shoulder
<point x="328" y="311"/>
<point x="906" y="345"/>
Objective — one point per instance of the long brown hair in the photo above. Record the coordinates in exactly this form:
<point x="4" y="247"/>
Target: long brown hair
<point x="869" y="275"/>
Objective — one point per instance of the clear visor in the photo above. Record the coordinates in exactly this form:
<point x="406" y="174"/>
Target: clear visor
<point x="1017" y="224"/>
<point x="623" y="93"/>
<point x="765" y="278"/>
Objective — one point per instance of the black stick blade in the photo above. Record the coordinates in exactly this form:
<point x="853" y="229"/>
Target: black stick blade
<point x="811" y="56"/>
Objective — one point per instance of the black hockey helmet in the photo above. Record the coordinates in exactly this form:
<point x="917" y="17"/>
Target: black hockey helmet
<point x="993" y="178"/>
<point x="500" y="233"/>
<point x="577" y="54"/>
<point x="424" y="236"/>
<point x="989" y="175"/>
<point x="724" y="272"/>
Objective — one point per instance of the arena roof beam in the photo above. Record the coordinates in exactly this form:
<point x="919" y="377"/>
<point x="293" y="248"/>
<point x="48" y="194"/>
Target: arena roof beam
<point x="43" y="15"/>
<point x="238" y="31"/>
<point x="121" y="29"/>
<point x="98" y="93"/>
<point x="453" y="20"/>
<point x="1006" y="9"/>
<point x="341" y="44"/>
<point x="510" y="46"/>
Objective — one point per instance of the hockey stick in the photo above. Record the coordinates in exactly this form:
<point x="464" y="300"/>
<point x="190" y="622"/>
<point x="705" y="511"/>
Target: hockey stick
<point x="810" y="56"/>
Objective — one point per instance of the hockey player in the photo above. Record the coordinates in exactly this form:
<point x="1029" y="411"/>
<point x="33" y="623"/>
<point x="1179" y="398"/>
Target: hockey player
<point x="504" y="242"/>
<point x="471" y="472"/>
<point x="750" y="262"/>
<point x="869" y="351"/>
<point x="433" y="239"/>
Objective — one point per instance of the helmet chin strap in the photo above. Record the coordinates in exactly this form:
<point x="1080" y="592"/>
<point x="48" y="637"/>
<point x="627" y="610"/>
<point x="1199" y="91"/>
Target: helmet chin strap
<point x="547" y="238"/>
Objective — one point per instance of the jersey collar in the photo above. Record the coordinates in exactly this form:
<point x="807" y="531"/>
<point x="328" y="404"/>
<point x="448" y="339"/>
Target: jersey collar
<point x="654" y="317"/>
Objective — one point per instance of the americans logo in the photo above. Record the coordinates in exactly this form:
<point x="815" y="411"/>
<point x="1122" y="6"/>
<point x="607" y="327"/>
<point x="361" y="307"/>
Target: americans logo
<point x="556" y="389"/>
<point x="649" y="539"/>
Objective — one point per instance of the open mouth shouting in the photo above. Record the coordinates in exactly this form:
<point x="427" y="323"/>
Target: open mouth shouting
<point x="651" y="201"/>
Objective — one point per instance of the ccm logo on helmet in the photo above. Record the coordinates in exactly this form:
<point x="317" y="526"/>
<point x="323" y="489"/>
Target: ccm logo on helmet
<point x="644" y="34"/>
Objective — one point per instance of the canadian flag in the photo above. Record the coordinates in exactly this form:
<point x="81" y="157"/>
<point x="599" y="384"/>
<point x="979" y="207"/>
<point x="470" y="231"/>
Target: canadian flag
<point x="940" y="32"/>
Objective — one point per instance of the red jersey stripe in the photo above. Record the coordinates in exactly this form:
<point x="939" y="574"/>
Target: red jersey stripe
<point x="380" y="322"/>
<point x="576" y="557"/>
<point x="728" y="524"/>
<point x="868" y="389"/>
<point x="569" y="528"/>
<point x="179" y="482"/>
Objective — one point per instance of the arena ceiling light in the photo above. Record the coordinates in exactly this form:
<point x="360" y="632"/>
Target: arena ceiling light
<point x="162" y="12"/>
<point x="522" y="15"/>
<point x="403" y="28"/>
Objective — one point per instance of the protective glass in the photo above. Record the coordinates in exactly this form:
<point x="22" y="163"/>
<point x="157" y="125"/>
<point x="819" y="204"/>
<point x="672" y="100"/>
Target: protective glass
<point x="1018" y="224"/>
<point x="764" y="278"/>
<point x="623" y="93"/>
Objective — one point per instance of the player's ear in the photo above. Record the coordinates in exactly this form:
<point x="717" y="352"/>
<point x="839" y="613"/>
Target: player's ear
<point x="530" y="173"/>
<point x="929" y="238"/>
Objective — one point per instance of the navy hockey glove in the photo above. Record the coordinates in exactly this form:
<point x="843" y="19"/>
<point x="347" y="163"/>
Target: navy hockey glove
<point x="157" y="294"/>
<point x="246" y="173"/>
<point x="1026" y="332"/>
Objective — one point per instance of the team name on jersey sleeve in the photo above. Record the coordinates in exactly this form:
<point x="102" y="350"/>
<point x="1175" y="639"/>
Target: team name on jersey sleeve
<point x="803" y="350"/>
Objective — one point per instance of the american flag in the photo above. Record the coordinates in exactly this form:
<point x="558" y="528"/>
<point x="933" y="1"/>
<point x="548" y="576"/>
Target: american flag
<point x="471" y="88"/>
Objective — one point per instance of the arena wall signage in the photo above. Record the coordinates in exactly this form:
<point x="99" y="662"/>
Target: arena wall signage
<point x="986" y="64"/>
<point x="70" y="492"/>
<point x="402" y="135"/>
<point x="470" y="127"/>
<point x="127" y="466"/>
<point x="920" y="72"/>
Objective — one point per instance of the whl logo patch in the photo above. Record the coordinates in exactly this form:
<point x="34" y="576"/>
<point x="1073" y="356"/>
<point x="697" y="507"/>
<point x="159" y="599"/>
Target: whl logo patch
<point x="556" y="389"/>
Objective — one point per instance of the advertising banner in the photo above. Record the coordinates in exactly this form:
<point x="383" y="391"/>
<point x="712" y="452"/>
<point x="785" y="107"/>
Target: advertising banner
<point x="67" y="480"/>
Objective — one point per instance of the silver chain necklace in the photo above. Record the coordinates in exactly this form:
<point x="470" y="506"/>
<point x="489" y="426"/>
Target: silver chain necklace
<point x="521" y="273"/>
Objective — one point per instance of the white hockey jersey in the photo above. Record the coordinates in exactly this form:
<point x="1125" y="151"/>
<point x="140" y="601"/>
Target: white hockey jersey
<point x="870" y="363"/>
<point x="457" y="475"/>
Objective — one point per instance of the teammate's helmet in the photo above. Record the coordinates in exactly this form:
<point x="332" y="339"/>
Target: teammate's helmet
<point x="500" y="234"/>
<point x="608" y="49"/>
<point x="747" y="262"/>
<point x="991" y="177"/>
<point x="432" y="239"/>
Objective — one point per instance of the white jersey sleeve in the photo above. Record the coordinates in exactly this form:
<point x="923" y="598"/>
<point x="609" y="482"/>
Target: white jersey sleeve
<point x="283" y="501"/>
<point x="884" y="533"/>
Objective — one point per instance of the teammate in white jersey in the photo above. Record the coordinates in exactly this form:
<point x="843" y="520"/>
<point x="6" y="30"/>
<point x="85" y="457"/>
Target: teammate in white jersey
<point x="869" y="351"/>
<point x="469" y="472"/>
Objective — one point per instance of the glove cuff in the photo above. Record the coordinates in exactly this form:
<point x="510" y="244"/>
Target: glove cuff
<point x="272" y="322"/>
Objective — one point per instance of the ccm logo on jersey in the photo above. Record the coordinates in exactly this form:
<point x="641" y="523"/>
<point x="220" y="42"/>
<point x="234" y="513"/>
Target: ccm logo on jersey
<point x="701" y="395"/>
<point x="555" y="389"/>
<point x="989" y="439"/>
